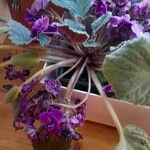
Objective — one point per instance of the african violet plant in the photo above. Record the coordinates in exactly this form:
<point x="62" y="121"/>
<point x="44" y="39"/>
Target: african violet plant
<point x="94" y="36"/>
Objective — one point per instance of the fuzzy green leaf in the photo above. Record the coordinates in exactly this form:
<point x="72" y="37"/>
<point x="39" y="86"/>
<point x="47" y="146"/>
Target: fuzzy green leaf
<point x="101" y="21"/>
<point x="26" y="60"/>
<point x="134" y="138"/>
<point x="12" y="94"/>
<point x="78" y="8"/>
<point x="127" y="69"/>
<point x="18" y="33"/>
<point x="74" y="31"/>
<point x="43" y="39"/>
<point x="90" y="43"/>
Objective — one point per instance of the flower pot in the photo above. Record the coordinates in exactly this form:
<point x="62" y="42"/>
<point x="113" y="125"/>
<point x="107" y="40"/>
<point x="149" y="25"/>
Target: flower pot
<point x="128" y="113"/>
<point x="53" y="144"/>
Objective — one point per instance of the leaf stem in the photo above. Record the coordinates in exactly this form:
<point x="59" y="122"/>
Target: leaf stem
<point x="107" y="102"/>
<point x="69" y="70"/>
<point x="82" y="102"/>
<point x="3" y="64"/>
<point x="74" y="80"/>
<point x="45" y="71"/>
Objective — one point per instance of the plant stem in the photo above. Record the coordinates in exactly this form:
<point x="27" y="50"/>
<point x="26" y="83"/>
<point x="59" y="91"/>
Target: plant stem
<point x="3" y="64"/>
<point x="52" y="59"/>
<point x="107" y="102"/>
<point x="57" y="16"/>
<point x="45" y="71"/>
<point x="50" y="69"/>
<point x="82" y="102"/>
<point x="74" y="80"/>
<point x="69" y="70"/>
<point x="78" y="49"/>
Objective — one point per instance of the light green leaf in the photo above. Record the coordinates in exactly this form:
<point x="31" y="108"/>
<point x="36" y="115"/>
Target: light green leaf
<point x="134" y="138"/>
<point x="12" y="94"/>
<point x="127" y="69"/>
<point x="74" y="31"/>
<point x="90" y="43"/>
<point x="101" y="21"/>
<point x="43" y="39"/>
<point x="26" y="60"/>
<point x="18" y="33"/>
<point x="78" y="8"/>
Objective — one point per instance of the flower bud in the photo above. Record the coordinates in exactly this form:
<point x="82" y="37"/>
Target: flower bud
<point x="12" y="94"/>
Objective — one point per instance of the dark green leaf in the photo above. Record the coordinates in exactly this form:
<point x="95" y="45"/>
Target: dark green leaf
<point x="18" y="33"/>
<point x="79" y="8"/>
<point x="127" y="69"/>
<point x="26" y="60"/>
<point x="101" y="21"/>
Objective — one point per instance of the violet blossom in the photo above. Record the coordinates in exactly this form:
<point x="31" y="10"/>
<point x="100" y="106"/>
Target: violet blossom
<point x="34" y="13"/>
<point x="142" y="10"/>
<point x="51" y="120"/>
<point x="52" y="86"/>
<point x="99" y="6"/>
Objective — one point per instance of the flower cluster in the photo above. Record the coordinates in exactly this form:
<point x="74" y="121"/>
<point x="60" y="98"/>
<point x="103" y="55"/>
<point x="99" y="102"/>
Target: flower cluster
<point x="12" y="73"/>
<point x="124" y="23"/>
<point x="52" y="120"/>
<point x="40" y="19"/>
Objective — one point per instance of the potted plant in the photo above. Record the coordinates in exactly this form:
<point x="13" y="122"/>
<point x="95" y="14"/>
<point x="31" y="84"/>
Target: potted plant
<point x="107" y="40"/>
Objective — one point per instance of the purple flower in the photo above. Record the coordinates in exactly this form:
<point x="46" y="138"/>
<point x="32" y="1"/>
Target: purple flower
<point x="34" y="13"/>
<point x="40" y="4"/>
<point x="13" y="74"/>
<point x="107" y="88"/>
<point x="52" y="86"/>
<point x="121" y="2"/>
<point x="26" y="88"/>
<point x="51" y="120"/>
<point x="30" y="16"/>
<point x="40" y="25"/>
<point x="142" y="10"/>
<point x="124" y="28"/>
<point x="43" y="25"/>
<point x="37" y="135"/>
<point x="99" y="6"/>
